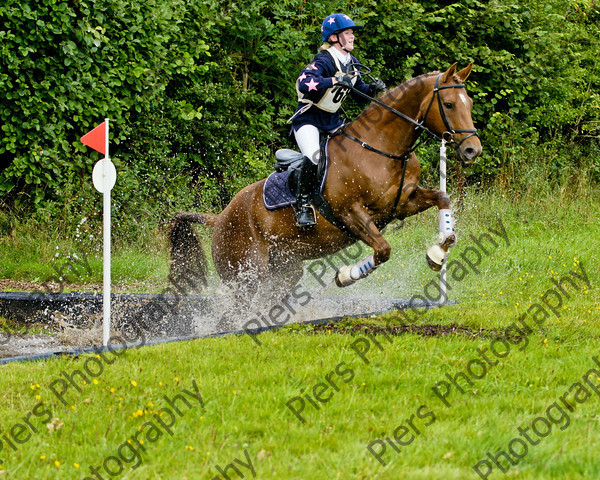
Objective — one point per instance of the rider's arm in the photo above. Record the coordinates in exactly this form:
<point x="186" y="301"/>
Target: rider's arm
<point x="317" y="75"/>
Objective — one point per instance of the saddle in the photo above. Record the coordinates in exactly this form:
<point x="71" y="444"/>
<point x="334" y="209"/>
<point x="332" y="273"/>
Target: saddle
<point x="287" y="159"/>
<point x="280" y="187"/>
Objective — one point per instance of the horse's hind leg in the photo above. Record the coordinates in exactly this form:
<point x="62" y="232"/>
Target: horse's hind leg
<point x="254" y="296"/>
<point x="285" y="273"/>
<point x="188" y="265"/>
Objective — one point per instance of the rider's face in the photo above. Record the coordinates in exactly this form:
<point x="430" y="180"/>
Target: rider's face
<point x="346" y="39"/>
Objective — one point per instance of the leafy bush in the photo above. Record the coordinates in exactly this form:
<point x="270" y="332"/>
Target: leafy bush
<point x="64" y="67"/>
<point x="199" y="92"/>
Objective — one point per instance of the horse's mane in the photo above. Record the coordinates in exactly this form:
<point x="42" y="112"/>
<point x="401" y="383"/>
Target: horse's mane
<point x="393" y="93"/>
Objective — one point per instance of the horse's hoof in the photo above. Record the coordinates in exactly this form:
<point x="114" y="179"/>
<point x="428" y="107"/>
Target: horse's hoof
<point x="448" y="241"/>
<point x="435" y="258"/>
<point x="343" y="277"/>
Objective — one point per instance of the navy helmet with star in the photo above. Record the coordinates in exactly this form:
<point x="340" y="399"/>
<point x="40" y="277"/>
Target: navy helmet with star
<point x="335" y="23"/>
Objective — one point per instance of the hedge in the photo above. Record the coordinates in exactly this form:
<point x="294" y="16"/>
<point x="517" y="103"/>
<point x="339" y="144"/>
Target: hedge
<point x="199" y="91"/>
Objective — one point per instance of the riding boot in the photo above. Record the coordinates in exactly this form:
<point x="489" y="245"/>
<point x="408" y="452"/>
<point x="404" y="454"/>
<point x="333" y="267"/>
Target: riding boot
<point x="306" y="185"/>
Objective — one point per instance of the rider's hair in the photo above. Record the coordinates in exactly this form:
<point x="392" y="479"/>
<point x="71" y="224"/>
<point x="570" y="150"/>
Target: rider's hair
<point x="325" y="46"/>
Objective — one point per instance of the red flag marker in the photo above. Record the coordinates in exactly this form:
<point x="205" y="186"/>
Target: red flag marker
<point x="96" y="138"/>
<point x="104" y="176"/>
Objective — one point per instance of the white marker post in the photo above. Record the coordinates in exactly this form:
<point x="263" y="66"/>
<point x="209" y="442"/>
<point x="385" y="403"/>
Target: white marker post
<point x="443" y="289"/>
<point x="104" y="177"/>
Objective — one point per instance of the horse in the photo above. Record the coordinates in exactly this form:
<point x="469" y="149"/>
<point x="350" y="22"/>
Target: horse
<point x="372" y="179"/>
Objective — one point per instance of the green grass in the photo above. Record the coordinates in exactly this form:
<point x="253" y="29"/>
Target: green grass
<point x="34" y="255"/>
<point x="245" y="387"/>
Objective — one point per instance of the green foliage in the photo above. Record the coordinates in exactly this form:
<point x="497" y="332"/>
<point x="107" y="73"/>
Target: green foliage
<point x="536" y="72"/>
<point x="66" y="66"/>
<point x="199" y="92"/>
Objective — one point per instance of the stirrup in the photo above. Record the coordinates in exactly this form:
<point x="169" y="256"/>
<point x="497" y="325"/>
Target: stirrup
<point x="304" y="211"/>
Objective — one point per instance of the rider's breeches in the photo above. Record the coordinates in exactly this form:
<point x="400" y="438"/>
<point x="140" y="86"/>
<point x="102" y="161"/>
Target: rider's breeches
<point x="307" y="137"/>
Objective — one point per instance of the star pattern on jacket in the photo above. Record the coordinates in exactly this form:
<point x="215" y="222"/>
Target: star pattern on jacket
<point x="312" y="85"/>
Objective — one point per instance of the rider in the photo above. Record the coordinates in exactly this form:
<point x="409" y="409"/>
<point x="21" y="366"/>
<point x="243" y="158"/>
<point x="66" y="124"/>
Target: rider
<point x="321" y="87"/>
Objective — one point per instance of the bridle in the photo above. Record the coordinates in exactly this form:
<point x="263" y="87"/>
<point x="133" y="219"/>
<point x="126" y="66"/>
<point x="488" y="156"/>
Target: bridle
<point x="448" y="135"/>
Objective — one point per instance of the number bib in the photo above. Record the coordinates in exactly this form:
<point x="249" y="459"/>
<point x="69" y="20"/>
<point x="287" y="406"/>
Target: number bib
<point x="333" y="97"/>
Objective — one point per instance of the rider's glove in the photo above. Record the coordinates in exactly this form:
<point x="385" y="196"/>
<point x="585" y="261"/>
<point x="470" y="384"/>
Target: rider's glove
<point x="344" y="81"/>
<point x="377" y="86"/>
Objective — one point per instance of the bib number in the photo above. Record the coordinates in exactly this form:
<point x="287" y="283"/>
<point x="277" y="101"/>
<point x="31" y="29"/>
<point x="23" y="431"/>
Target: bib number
<point x="339" y="94"/>
<point x="332" y="99"/>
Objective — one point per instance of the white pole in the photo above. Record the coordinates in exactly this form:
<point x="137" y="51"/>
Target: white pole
<point x="443" y="289"/>
<point x="106" y="256"/>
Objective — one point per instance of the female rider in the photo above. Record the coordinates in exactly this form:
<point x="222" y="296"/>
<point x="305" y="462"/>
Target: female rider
<point x="321" y="87"/>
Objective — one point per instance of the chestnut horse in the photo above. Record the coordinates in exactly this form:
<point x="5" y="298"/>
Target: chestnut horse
<point x="372" y="179"/>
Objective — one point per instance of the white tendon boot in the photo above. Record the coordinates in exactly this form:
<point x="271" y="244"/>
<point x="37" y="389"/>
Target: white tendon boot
<point x="446" y="226"/>
<point x="349" y="274"/>
<point x="436" y="255"/>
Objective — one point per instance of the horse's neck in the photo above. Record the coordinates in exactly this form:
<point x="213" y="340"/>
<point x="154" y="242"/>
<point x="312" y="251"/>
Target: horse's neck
<point x="392" y="133"/>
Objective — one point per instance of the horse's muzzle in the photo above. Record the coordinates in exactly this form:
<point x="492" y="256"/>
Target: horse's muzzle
<point x="469" y="148"/>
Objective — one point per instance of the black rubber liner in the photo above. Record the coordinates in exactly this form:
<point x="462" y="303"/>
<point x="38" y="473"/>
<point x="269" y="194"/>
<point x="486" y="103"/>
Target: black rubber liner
<point x="159" y="314"/>
<point x="165" y="318"/>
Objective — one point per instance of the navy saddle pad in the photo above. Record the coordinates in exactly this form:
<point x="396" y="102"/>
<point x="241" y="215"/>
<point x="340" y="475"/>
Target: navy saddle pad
<point x="276" y="191"/>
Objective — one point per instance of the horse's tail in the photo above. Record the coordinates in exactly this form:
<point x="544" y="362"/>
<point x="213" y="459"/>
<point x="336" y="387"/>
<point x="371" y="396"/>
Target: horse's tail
<point x="188" y="265"/>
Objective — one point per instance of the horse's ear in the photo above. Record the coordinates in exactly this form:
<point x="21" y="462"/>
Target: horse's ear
<point x="465" y="72"/>
<point x="449" y="73"/>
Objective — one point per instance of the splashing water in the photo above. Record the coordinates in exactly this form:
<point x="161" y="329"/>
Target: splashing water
<point x="77" y="323"/>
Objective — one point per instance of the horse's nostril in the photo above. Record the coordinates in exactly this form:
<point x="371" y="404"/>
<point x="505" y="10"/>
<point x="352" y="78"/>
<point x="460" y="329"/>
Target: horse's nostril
<point x="470" y="152"/>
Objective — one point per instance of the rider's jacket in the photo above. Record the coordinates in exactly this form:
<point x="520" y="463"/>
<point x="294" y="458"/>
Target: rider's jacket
<point x="318" y="99"/>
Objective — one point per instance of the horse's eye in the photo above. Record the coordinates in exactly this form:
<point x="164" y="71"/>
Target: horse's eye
<point x="448" y="105"/>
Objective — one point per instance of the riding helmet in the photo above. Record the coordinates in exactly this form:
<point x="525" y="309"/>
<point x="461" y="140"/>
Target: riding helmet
<point x="335" y="23"/>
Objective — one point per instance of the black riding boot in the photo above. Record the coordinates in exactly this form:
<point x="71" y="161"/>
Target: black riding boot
<point x="307" y="184"/>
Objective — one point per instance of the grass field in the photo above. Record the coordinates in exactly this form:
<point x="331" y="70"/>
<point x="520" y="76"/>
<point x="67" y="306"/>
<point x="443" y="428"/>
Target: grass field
<point x="524" y="382"/>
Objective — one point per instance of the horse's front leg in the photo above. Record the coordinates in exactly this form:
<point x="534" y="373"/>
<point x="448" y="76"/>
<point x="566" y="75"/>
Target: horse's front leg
<point x="437" y="254"/>
<point x="421" y="200"/>
<point x="363" y="226"/>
